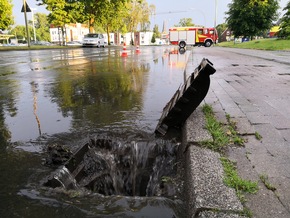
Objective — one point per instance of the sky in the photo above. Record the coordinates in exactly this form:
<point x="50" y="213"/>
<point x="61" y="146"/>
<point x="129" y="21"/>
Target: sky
<point x="202" y="12"/>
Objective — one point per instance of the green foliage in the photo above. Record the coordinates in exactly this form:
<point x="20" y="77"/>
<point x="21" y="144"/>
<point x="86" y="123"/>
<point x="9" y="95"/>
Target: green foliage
<point x="61" y="11"/>
<point x="19" y="31"/>
<point x="215" y="128"/>
<point x="221" y="28"/>
<point x="250" y="18"/>
<point x="223" y="135"/>
<point x="156" y="31"/>
<point x="153" y="40"/>
<point x="265" y="180"/>
<point x="42" y="27"/>
<point x="6" y="18"/>
<point x="233" y="180"/>
<point x="138" y="12"/>
<point x="284" y="32"/>
<point x="185" y="22"/>
<point x="262" y="44"/>
<point x="232" y="132"/>
<point x="110" y="15"/>
<point x="246" y="212"/>
<point x="258" y="136"/>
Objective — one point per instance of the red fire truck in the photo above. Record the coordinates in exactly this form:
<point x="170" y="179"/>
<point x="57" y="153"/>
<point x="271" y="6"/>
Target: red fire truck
<point x="195" y="36"/>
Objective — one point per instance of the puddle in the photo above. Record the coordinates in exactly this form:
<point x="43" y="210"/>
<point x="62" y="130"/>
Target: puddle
<point x="129" y="174"/>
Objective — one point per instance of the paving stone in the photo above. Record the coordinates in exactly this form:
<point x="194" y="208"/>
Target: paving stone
<point x="256" y="94"/>
<point x="257" y="118"/>
<point x="243" y="125"/>
<point x="286" y="135"/>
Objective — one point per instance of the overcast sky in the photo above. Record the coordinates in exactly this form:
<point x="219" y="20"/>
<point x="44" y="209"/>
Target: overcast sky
<point x="202" y="12"/>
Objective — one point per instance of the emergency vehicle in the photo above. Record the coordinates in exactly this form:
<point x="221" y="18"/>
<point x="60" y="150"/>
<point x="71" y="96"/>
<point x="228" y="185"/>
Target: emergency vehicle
<point x="194" y="36"/>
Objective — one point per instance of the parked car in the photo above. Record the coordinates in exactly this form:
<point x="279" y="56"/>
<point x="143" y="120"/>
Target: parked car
<point x="94" y="39"/>
<point x="41" y="43"/>
<point x="74" y="43"/>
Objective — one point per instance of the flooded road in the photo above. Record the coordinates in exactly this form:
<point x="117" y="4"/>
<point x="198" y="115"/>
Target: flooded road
<point x="67" y="96"/>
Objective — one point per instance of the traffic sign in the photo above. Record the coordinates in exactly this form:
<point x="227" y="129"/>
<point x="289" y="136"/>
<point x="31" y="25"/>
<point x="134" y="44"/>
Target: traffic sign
<point x="27" y="8"/>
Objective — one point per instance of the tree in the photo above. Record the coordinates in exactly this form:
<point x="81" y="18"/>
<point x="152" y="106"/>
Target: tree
<point x="138" y="13"/>
<point x="20" y="31"/>
<point x="6" y="18"/>
<point x="221" y="28"/>
<point x="153" y="39"/>
<point x="285" y="23"/>
<point x="185" y="22"/>
<point x="156" y="32"/>
<point x="111" y="14"/>
<point x="145" y="18"/>
<point x="42" y="27"/>
<point x="61" y="11"/>
<point x="251" y="17"/>
<point x="102" y="12"/>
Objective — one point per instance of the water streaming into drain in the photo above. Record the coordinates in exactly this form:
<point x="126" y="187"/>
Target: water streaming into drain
<point x="108" y="167"/>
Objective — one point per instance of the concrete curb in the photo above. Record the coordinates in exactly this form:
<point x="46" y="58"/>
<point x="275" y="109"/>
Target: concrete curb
<point x="207" y="196"/>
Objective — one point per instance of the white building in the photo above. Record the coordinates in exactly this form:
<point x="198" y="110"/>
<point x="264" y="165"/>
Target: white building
<point x="76" y="32"/>
<point x="71" y="32"/>
<point x="139" y="38"/>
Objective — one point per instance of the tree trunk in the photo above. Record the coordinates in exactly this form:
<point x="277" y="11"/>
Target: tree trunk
<point x="108" y="35"/>
<point x="91" y="25"/>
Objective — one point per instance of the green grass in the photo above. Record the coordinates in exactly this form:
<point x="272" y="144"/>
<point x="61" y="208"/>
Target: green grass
<point x="258" y="136"/>
<point x="34" y="47"/>
<point x="223" y="135"/>
<point x="260" y="44"/>
<point x="241" y="186"/>
<point x="233" y="180"/>
<point x="265" y="180"/>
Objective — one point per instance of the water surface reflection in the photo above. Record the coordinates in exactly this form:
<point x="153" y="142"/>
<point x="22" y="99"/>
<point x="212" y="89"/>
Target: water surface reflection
<point x="65" y="96"/>
<point x="67" y="91"/>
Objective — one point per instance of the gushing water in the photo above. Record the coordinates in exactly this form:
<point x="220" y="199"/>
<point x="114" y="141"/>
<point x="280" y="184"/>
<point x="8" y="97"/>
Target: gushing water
<point x="109" y="167"/>
<point x="65" y="178"/>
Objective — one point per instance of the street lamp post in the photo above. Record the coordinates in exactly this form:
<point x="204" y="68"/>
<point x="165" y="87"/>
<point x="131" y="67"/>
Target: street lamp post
<point x="33" y="25"/>
<point x="26" y="24"/>
<point x="215" y="15"/>
<point x="215" y="18"/>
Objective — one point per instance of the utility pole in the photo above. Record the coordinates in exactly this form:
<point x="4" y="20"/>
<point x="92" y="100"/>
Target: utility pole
<point x="33" y="24"/>
<point x="26" y="24"/>
<point x="215" y="18"/>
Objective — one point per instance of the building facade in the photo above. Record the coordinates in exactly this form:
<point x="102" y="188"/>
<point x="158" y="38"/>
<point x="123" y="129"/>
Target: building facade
<point x="76" y="32"/>
<point x="70" y="32"/>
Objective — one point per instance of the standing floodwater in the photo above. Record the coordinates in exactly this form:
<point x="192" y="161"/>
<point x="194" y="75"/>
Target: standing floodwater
<point x="67" y="97"/>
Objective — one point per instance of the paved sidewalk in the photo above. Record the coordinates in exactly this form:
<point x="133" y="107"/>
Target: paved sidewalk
<point x="254" y="89"/>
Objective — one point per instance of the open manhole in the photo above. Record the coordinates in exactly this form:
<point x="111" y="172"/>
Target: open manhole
<point x="137" y="168"/>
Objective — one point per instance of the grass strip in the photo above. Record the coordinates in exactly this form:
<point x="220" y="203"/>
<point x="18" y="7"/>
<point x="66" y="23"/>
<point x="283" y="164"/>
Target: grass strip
<point x="260" y="44"/>
<point x="223" y="136"/>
